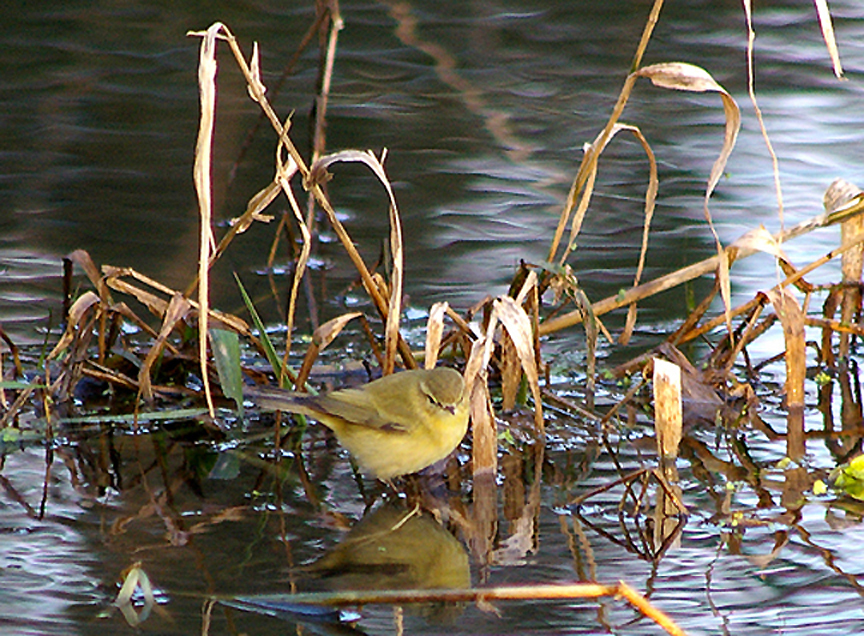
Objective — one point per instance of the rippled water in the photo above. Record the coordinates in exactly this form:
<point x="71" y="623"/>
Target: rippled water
<point x="484" y="108"/>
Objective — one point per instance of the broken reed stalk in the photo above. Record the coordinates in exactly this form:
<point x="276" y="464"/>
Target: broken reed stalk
<point x="696" y="270"/>
<point x="851" y="232"/>
<point x="482" y="595"/>
<point x="792" y="319"/>
<point x="668" y="424"/>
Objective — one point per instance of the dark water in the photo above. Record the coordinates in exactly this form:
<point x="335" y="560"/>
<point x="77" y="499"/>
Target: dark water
<point x="484" y="108"/>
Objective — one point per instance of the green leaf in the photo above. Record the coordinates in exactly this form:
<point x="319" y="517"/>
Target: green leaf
<point x="226" y="354"/>
<point x="269" y="349"/>
<point x="850" y="478"/>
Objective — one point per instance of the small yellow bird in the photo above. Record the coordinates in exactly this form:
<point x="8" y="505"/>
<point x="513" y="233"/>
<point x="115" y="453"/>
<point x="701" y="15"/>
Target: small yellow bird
<point x="396" y="425"/>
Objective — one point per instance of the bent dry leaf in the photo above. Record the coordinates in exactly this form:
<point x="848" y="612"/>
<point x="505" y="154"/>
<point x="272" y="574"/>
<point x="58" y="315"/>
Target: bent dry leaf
<point x="178" y="309"/>
<point x="518" y="326"/>
<point x="688" y="77"/>
<point x="484" y="447"/>
<point x="74" y="321"/>
<point x="827" y="27"/>
<point x="321" y="338"/>
<point x="317" y="172"/>
<point x="842" y="197"/>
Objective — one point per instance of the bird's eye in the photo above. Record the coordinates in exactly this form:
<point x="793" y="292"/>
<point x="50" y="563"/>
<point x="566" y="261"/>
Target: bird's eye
<point x="432" y="400"/>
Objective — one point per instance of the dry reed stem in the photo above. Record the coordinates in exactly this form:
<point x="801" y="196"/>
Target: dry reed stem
<point x="650" y="23"/>
<point x="587" y="169"/>
<point x="792" y="320"/>
<point x="701" y="268"/>
<point x="549" y="591"/>
<point x="751" y="36"/>
<point x="789" y="280"/>
<point x="326" y="78"/>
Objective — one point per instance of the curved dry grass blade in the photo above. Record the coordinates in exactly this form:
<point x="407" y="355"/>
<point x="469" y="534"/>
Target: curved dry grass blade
<point x="391" y="336"/>
<point x="594" y="151"/>
<point x="650" y="203"/>
<point x="311" y="184"/>
<point x="827" y="28"/>
<point x="589" y="167"/>
<point x="158" y="305"/>
<point x="434" y="332"/>
<point x="203" y="187"/>
<point x="751" y="36"/>
<point x="688" y="77"/>
<point x="83" y="260"/>
<point x="77" y="312"/>
<point x="287" y="170"/>
<point x="178" y="309"/>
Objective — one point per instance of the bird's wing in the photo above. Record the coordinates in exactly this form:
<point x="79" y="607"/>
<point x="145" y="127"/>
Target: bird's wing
<point x="358" y="407"/>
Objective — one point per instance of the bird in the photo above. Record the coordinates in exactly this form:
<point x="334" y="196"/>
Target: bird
<point x="396" y="425"/>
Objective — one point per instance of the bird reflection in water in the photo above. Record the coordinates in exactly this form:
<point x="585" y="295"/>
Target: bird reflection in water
<point x="393" y="548"/>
